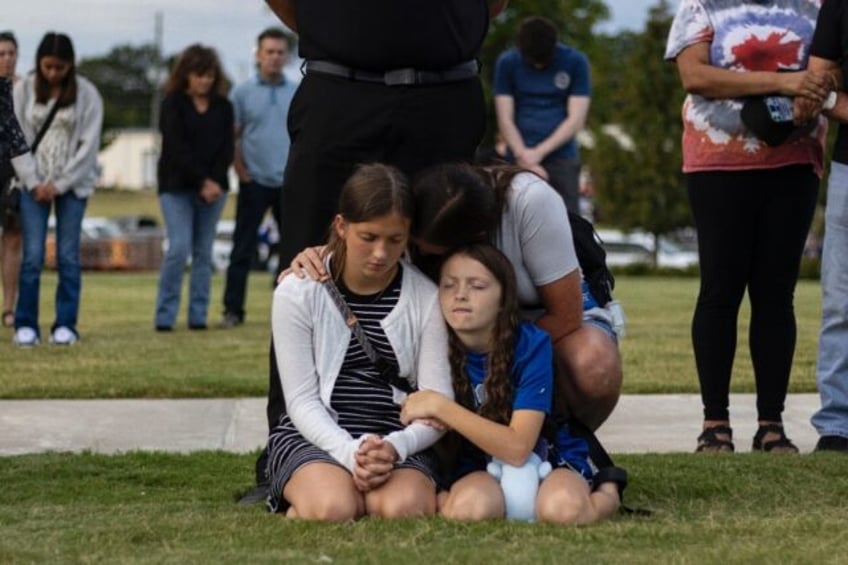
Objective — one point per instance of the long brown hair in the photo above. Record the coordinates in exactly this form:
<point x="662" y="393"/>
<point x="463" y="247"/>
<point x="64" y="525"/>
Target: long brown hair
<point x="196" y="58"/>
<point x="371" y="192"/>
<point x="498" y="381"/>
<point x="57" y="45"/>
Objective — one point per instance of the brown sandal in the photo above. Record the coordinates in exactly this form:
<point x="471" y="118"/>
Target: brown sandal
<point x="8" y="318"/>
<point x="709" y="442"/>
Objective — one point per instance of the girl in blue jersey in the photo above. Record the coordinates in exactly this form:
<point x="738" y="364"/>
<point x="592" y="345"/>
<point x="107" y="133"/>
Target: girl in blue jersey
<point x="502" y="370"/>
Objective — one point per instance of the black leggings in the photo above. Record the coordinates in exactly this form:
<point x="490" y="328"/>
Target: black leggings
<point x="751" y="226"/>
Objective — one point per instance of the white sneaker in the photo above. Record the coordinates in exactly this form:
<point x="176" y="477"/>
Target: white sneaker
<point x="26" y="337"/>
<point x="63" y="336"/>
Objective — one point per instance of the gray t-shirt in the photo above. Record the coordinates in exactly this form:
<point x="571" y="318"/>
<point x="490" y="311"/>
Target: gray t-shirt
<point x="536" y="237"/>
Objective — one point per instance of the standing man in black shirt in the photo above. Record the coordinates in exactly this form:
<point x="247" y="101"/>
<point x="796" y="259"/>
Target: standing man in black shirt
<point x="390" y="81"/>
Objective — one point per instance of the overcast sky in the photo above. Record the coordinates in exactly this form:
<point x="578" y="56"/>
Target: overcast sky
<point x="230" y="26"/>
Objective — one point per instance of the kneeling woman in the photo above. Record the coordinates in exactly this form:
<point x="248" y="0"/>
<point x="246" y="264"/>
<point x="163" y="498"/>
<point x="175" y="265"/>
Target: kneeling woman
<point x="503" y="378"/>
<point x="341" y="451"/>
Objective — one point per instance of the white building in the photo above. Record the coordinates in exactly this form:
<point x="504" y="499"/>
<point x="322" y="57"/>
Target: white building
<point x="129" y="161"/>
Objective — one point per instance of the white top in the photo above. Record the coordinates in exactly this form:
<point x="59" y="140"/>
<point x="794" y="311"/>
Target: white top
<point x="80" y="168"/>
<point x="311" y="338"/>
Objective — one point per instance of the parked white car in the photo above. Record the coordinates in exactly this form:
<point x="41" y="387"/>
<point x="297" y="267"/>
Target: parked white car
<point x="630" y="248"/>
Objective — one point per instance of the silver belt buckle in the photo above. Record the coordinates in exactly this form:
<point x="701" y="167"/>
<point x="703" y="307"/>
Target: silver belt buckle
<point x="399" y="77"/>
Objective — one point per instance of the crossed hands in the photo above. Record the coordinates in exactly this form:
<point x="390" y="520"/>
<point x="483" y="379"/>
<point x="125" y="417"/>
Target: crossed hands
<point x="375" y="458"/>
<point x="45" y="193"/>
<point x="531" y="159"/>
<point x="210" y="191"/>
<point x="809" y="89"/>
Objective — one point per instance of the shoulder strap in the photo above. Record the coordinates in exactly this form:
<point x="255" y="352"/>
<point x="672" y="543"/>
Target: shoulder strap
<point x="607" y="470"/>
<point x="46" y="125"/>
<point x="388" y="371"/>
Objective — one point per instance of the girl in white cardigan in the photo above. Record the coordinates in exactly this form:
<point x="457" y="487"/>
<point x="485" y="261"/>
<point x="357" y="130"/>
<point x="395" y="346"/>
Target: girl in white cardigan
<point x="341" y="451"/>
<point x="67" y="162"/>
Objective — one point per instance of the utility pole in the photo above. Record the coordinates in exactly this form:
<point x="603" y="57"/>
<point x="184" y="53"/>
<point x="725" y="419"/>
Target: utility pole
<point x="151" y="157"/>
<point x="156" y="71"/>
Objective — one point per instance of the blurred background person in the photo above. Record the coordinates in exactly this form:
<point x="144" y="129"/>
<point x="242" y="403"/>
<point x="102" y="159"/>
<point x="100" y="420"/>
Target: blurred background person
<point x="542" y="96"/>
<point x="261" y="108"/>
<point x="196" y="122"/>
<point x="67" y="161"/>
<point x="10" y="242"/>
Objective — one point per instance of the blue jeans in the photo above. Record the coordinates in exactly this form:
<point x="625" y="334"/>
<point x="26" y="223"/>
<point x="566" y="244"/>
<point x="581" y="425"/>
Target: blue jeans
<point x="69" y="212"/>
<point x="832" y="366"/>
<point x="190" y="225"/>
<point x="254" y="200"/>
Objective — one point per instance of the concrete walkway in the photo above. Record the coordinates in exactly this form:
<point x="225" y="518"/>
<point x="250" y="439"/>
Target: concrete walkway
<point x="640" y="424"/>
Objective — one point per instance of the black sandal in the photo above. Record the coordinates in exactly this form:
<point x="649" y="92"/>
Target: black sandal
<point x="780" y="445"/>
<point x="709" y="442"/>
<point x="8" y="318"/>
<point x="612" y="474"/>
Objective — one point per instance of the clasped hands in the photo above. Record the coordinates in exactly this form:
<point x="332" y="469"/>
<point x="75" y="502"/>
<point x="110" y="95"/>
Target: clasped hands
<point x="44" y="193"/>
<point x="373" y="463"/>
<point x="210" y="191"/>
<point x="375" y="458"/>
<point x="531" y="159"/>
<point x="809" y="90"/>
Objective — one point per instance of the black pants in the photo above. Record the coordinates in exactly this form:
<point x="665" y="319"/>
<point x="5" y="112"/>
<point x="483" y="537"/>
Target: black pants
<point x="336" y="124"/>
<point x="564" y="176"/>
<point x="254" y="200"/>
<point x="751" y="231"/>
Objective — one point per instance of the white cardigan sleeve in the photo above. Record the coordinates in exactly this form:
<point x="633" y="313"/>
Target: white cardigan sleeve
<point x="292" y="323"/>
<point x="79" y="170"/>
<point x="433" y="372"/>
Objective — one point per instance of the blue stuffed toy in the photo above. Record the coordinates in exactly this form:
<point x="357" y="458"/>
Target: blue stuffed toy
<point x="520" y="485"/>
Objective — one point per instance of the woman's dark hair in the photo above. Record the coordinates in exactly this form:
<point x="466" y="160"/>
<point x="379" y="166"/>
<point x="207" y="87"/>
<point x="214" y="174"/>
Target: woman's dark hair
<point x="373" y="191"/>
<point x="10" y="37"/>
<point x="196" y="58"/>
<point x="454" y="205"/>
<point x="457" y="204"/>
<point x="498" y="381"/>
<point x="58" y="45"/>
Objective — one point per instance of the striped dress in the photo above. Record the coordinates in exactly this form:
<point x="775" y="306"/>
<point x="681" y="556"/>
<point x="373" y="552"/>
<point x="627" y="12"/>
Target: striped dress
<point x="363" y="400"/>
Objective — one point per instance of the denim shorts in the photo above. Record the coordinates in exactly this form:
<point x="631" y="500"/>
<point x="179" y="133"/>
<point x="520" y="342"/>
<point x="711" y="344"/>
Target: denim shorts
<point x="600" y="318"/>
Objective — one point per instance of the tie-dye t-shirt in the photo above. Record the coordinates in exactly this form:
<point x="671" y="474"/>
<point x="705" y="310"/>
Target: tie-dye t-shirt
<point x="765" y="35"/>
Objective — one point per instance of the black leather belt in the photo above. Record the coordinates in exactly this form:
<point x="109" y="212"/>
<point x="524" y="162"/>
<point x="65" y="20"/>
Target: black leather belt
<point x="396" y="77"/>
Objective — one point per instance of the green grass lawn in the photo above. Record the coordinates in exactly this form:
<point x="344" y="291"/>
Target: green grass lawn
<point x="110" y="203"/>
<point x="158" y="508"/>
<point x="121" y="356"/>
<point x="166" y="508"/>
